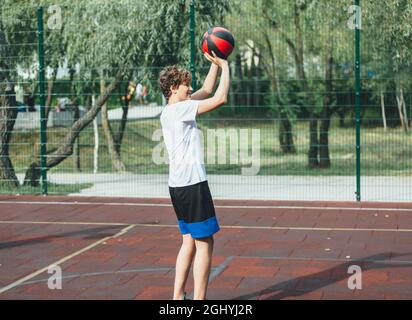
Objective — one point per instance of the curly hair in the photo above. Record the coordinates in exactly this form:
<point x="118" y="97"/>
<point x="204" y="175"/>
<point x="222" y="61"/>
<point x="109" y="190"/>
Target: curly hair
<point x="172" y="76"/>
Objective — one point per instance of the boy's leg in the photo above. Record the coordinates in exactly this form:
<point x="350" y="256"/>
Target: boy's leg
<point x="183" y="263"/>
<point x="202" y="266"/>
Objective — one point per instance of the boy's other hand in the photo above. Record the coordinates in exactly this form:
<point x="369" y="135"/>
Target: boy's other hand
<point x="215" y="59"/>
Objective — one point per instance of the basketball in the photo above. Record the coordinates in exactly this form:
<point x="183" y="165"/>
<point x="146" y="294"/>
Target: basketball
<point x="219" y="40"/>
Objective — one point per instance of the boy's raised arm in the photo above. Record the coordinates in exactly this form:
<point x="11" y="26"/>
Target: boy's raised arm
<point x="220" y="96"/>
<point x="206" y="90"/>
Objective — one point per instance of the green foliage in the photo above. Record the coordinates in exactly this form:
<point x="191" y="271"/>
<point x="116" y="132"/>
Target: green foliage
<point x="265" y="26"/>
<point x="389" y="45"/>
<point x="168" y="34"/>
<point x="141" y="36"/>
<point x="144" y="36"/>
<point x="53" y="189"/>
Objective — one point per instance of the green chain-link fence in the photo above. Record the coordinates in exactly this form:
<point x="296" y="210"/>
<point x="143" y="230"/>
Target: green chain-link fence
<point x="290" y="130"/>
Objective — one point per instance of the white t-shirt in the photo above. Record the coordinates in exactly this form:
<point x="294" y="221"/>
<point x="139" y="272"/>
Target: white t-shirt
<point x="139" y="89"/>
<point x="19" y="93"/>
<point x="182" y="140"/>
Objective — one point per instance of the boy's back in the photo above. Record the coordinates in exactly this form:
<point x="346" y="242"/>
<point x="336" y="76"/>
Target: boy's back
<point x="182" y="140"/>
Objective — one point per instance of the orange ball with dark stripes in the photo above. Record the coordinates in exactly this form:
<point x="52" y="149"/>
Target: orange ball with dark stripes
<point x="219" y="40"/>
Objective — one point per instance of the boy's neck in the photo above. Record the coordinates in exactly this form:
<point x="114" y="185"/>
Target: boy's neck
<point x="174" y="100"/>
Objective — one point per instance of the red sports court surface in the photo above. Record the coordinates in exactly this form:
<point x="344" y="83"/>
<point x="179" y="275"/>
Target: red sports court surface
<point x="117" y="248"/>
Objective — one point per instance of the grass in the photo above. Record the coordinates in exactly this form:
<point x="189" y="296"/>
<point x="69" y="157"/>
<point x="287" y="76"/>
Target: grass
<point x="53" y="189"/>
<point x="383" y="153"/>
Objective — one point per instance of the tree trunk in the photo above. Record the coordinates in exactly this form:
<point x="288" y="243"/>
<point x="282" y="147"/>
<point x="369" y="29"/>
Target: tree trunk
<point x="401" y="107"/>
<point x="313" y="161"/>
<point x="249" y="87"/>
<point x="324" y="157"/>
<point x="405" y="114"/>
<point x="121" y="129"/>
<point x="410" y="110"/>
<point x="285" y="125"/>
<point x="117" y="163"/>
<point x="123" y="122"/>
<point x="341" y="114"/>
<point x="286" y="133"/>
<point x="313" y="151"/>
<point x="299" y="56"/>
<point x="49" y="98"/>
<point x="66" y="147"/>
<point x="240" y="84"/>
<point x="8" y="115"/>
<point x="298" y="51"/>
<point x="257" y="86"/>
<point x="76" y="116"/>
<point x="76" y="146"/>
<point x="96" y="142"/>
<point x="385" y="127"/>
<point x="232" y="92"/>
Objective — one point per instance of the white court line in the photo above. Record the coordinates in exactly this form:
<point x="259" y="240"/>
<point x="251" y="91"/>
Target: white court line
<point x="220" y="268"/>
<point x="347" y="260"/>
<point x="222" y="226"/>
<point x="216" y="206"/>
<point x="317" y="229"/>
<point x="91" y="274"/>
<point x="40" y="271"/>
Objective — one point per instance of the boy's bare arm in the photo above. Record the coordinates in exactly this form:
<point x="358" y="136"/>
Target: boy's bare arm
<point x="208" y="85"/>
<point x="220" y="96"/>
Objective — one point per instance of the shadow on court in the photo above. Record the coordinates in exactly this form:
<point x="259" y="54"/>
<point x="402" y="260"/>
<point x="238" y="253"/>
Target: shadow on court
<point x="90" y="234"/>
<point x="313" y="282"/>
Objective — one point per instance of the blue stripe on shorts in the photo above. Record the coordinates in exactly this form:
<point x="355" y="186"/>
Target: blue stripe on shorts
<point x="202" y="229"/>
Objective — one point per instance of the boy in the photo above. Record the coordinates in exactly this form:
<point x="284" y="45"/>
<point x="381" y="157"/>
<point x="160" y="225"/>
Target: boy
<point x="188" y="185"/>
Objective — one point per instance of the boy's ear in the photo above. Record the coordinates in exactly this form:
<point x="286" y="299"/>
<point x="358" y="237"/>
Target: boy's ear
<point x="173" y="88"/>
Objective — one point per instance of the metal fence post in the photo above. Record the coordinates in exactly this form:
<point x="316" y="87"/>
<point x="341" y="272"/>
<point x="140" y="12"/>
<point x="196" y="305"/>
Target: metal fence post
<point x="358" y="102"/>
<point x="43" y="137"/>
<point x="192" y="44"/>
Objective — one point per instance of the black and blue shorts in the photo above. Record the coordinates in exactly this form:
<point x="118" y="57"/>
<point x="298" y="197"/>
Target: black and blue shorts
<point x="195" y="210"/>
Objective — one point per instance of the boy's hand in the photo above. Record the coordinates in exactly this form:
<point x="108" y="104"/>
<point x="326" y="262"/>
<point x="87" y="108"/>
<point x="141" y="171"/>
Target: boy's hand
<point x="215" y="59"/>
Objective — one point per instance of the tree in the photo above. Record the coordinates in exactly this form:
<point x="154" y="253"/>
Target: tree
<point x="15" y="28"/>
<point x="391" y="45"/>
<point x="280" y="21"/>
<point x="113" y="46"/>
<point x="65" y="148"/>
<point x="332" y="37"/>
<point x="259" y="35"/>
<point x="104" y="37"/>
<point x="311" y="31"/>
<point x="8" y="113"/>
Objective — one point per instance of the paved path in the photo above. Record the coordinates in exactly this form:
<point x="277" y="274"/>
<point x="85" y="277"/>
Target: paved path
<point x="139" y="112"/>
<point x="337" y="188"/>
